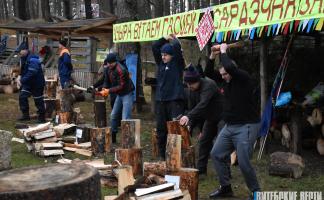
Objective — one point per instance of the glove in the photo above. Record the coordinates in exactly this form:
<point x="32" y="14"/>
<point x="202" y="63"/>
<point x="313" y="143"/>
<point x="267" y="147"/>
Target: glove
<point x="104" y="92"/>
<point x="90" y="89"/>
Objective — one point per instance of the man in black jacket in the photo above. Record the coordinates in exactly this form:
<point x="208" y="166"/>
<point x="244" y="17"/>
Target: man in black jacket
<point x="241" y="128"/>
<point x="205" y="103"/>
<point x="169" y="90"/>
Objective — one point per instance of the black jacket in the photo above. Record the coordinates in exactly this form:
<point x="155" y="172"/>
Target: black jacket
<point x="169" y="76"/>
<point x="240" y="105"/>
<point x="205" y="103"/>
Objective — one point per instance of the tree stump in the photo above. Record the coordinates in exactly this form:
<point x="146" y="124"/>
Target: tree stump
<point x="125" y="177"/>
<point x="154" y="144"/>
<point x="188" y="181"/>
<point x="55" y="181"/>
<point x="65" y="117"/>
<point x="131" y="131"/>
<point x="157" y="168"/>
<point x="173" y="152"/>
<point x="100" y="140"/>
<point x="286" y="164"/>
<point x="100" y="113"/>
<point x="188" y="157"/>
<point x="132" y="157"/>
<point x="51" y="106"/>
<point x="5" y="150"/>
<point x="174" y="127"/>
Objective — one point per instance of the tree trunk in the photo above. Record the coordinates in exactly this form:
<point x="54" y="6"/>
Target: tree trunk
<point x="158" y="8"/>
<point x="55" y="181"/>
<point x="105" y="6"/>
<point x="154" y="144"/>
<point x="166" y="7"/>
<point x="67" y="9"/>
<point x="5" y="9"/>
<point x="88" y="9"/>
<point x="174" y="127"/>
<point x="132" y="157"/>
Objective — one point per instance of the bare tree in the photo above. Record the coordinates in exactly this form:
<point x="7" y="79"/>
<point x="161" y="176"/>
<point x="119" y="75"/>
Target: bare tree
<point x="105" y="6"/>
<point x="45" y="10"/>
<point x="67" y="9"/>
<point x="143" y="10"/>
<point x="213" y="2"/>
<point x="166" y="7"/>
<point x="158" y="8"/>
<point x="20" y="9"/>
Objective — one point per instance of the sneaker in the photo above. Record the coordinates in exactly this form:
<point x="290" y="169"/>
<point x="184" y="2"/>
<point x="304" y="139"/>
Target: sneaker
<point x="223" y="191"/>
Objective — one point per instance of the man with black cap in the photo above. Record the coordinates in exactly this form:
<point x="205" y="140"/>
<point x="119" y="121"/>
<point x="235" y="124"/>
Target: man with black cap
<point x="117" y="81"/>
<point x="64" y="64"/>
<point x="204" y="103"/>
<point x="169" y="90"/>
<point x="31" y="83"/>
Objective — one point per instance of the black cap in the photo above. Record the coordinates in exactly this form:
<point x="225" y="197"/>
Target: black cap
<point x="191" y="74"/>
<point x="111" y="57"/>
<point x="63" y="42"/>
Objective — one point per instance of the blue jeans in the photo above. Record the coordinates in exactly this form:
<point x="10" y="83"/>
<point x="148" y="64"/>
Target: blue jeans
<point x="123" y="106"/>
<point x="239" y="137"/>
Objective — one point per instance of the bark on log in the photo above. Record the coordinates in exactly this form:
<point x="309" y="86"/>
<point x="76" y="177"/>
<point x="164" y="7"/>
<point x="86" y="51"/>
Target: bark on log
<point x="99" y="107"/>
<point x="188" y="157"/>
<point x="286" y="164"/>
<point x="54" y="181"/>
<point x="174" y="127"/>
<point x="51" y="106"/>
<point x="67" y="100"/>
<point x="154" y="144"/>
<point x="158" y="168"/>
<point x="130" y="130"/>
<point x="100" y="140"/>
<point x="5" y="150"/>
<point x="188" y="181"/>
<point x="173" y="152"/>
<point x="132" y="157"/>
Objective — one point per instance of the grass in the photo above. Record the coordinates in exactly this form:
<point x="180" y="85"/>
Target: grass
<point x="312" y="180"/>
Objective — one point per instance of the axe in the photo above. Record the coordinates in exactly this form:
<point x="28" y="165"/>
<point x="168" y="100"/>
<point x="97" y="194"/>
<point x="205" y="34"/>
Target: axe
<point x="79" y="88"/>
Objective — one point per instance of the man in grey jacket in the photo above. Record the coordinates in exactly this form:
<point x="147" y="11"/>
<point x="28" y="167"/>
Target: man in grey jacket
<point x="204" y="103"/>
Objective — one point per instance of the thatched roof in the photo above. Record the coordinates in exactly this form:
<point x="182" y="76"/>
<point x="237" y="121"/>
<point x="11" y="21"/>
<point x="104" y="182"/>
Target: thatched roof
<point x="78" y="27"/>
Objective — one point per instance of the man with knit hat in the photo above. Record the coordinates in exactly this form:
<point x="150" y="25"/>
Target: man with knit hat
<point x="204" y="103"/>
<point x="169" y="90"/>
<point x="117" y="81"/>
<point x="64" y="64"/>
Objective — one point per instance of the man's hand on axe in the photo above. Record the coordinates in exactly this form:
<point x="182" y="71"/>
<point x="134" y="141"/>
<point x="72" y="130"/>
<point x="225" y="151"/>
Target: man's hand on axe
<point x="184" y="120"/>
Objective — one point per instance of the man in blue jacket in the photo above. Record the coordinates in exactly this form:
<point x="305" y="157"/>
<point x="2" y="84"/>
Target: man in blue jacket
<point x="169" y="91"/>
<point x="64" y="64"/>
<point x="31" y="83"/>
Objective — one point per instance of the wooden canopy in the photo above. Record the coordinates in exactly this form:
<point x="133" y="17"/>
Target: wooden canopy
<point x="80" y="27"/>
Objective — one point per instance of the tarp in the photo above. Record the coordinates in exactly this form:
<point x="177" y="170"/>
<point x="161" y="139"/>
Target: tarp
<point x="229" y="20"/>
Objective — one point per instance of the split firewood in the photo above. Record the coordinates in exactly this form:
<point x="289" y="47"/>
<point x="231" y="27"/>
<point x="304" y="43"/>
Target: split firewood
<point x="64" y="129"/>
<point x="44" y="134"/>
<point x="174" y="127"/>
<point x="173" y="152"/>
<point x="189" y="179"/>
<point x="154" y="144"/>
<point x="100" y="140"/>
<point x="78" y="146"/>
<point x="51" y="152"/>
<point x="132" y="157"/>
<point x="173" y="194"/>
<point x="158" y="168"/>
<point x="131" y="132"/>
<point x="154" y="189"/>
<point x="70" y="149"/>
<point x="39" y="128"/>
<point x="156" y="179"/>
<point x="84" y="152"/>
<point x="125" y="177"/>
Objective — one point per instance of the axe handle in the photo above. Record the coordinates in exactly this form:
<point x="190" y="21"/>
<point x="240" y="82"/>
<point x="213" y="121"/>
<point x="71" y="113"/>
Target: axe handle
<point x="79" y="88"/>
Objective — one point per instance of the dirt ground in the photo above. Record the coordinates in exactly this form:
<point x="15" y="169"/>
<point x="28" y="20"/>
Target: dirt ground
<point x="312" y="179"/>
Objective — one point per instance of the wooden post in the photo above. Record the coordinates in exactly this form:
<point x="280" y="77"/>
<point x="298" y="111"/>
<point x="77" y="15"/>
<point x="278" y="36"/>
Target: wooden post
<point x="54" y="181"/>
<point x="51" y="106"/>
<point x="5" y="150"/>
<point x="174" y="127"/>
<point x="132" y="157"/>
<point x="154" y="144"/>
<point x="100" y="113"/>
<point x="100" y="140"/>
<point x="125" y="177"/>
<point x="173" y="152"/>
<point x="131" y="130"/>
<point x="157" y="168"/>
<point x="188" y="181"/>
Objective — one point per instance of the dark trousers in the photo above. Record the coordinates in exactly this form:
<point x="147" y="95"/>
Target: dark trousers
<point x="209" y="132"/>
<point x="38" y="99"/>
<point x="166" y="111"/>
